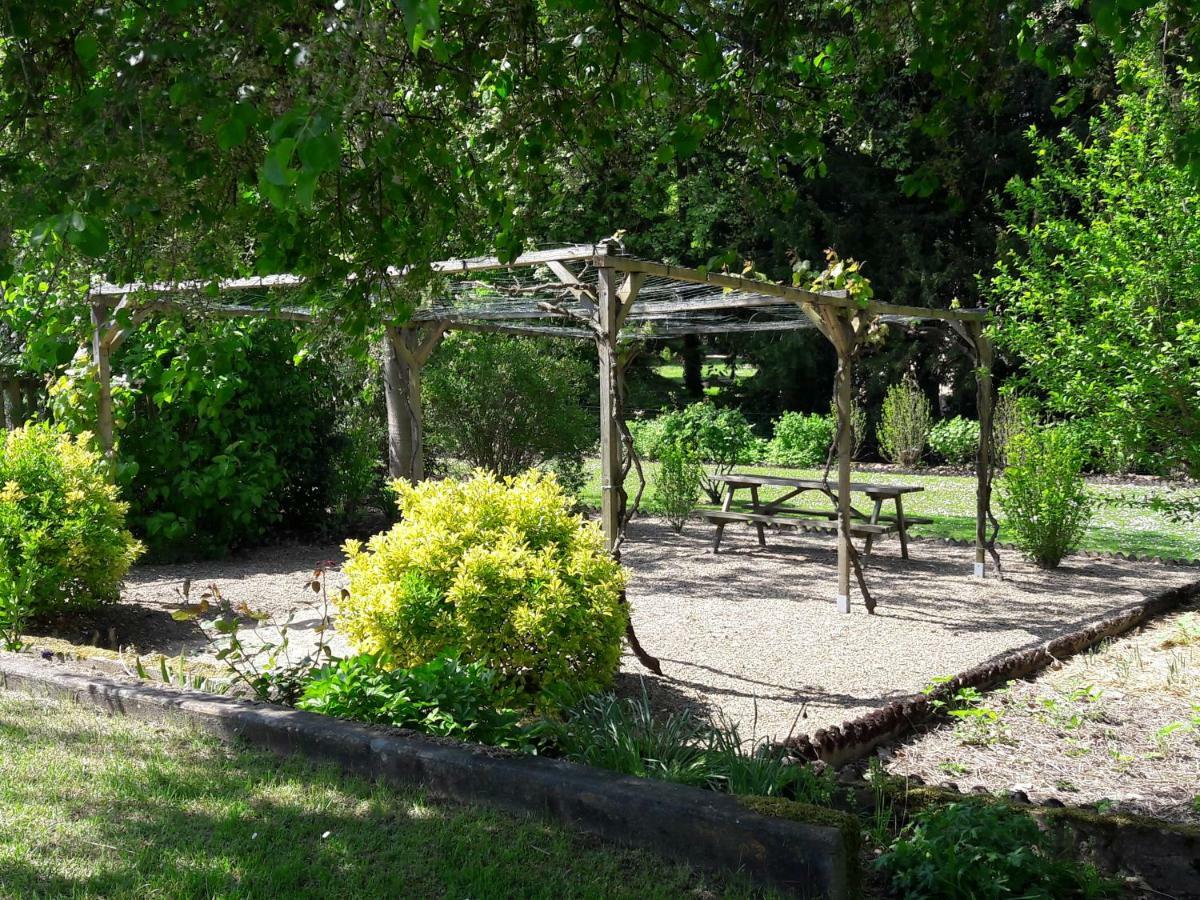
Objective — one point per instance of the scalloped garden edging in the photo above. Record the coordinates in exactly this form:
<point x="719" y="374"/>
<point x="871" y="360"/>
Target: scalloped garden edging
<point x="809" y="851"/>
<point x="852" y="740"/>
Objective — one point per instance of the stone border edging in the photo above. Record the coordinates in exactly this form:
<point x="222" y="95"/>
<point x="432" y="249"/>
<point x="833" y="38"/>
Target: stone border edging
<point x="852" y="740"/>
<point x="708" y="830"/>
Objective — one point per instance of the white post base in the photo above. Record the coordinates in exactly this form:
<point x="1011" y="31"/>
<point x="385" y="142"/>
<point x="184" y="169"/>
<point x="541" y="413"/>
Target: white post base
<point x="843" y="603"/>
<point x="979" y="569"/>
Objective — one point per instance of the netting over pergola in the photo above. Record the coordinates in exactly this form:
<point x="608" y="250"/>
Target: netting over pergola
<point x="590" y="292"/>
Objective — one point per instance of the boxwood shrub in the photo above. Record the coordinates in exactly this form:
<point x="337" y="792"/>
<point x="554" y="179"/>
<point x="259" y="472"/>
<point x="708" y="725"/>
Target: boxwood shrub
<point x="501" y="572"/>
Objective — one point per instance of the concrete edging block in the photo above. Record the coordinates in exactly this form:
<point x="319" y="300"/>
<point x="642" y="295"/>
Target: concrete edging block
<point x="706" y="829"/>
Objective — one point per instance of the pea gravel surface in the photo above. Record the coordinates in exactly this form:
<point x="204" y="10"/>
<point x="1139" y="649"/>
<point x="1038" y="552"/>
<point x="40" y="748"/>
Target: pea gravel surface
<point x="750" y="633"/>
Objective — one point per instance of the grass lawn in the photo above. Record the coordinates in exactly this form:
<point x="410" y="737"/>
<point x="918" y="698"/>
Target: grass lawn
<point x="99" y="806"/>
<point x="950" y="501"/>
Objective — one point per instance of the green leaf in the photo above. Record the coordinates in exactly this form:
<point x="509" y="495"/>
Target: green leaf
<point x="86" y="47"/>
<point x="320" y="153"/>
<point x="231" y="134"/>
<point x="276" y="168"/>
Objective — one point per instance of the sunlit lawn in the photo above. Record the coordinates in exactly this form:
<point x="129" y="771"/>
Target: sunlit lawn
<point x="950" y="501"/>
<point x="93" y="806"/>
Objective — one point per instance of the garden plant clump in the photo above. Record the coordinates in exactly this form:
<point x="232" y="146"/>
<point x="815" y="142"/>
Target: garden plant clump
<point x="499" y="570"/>
<point x="677" y="483"/>
<point x="1043" y="494"/>
<point x="955" y="440"/>
<point x="720" y="437"/>
<point x="801" y="440"/>
<point x="904" y="423"/>
<point x="975" y="850"/>
<point x="63" y="542"/>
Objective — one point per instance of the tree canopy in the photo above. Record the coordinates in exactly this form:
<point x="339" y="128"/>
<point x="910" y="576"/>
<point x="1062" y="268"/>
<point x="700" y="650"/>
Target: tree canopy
<point x="215" y="137"/>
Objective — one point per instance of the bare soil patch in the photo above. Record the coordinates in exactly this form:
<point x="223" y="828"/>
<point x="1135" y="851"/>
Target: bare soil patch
<point x="1118" y="726"/>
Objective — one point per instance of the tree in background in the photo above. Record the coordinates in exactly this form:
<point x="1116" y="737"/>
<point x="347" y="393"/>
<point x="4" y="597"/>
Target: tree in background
<point x="506" y="403"/>
<point x="1100" y="285"/>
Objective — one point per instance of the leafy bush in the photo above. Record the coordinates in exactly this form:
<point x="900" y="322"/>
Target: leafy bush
<point x="530" y="413"/>
<point x="955" y="440"/>
<point x="975" y="850"/>
<point x="1043" y="495"/>
<point x="63" y="541"/>
<point x="904" y="423"/>
<point x="677" y="482"/>
<point x="444" y="696"/>
<point x="232" y="434"/>
<point x="623" y="735"/>
<point x="1100" y="287"/>
<point x="801" y="440"/>
<point x="721" y="437"/>
<point x="501" y="571"/>
<point x="1014" y="415"/>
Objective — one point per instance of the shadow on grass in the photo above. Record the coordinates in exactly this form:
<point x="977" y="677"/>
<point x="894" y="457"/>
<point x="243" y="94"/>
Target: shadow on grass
<point x="102" y="807"/>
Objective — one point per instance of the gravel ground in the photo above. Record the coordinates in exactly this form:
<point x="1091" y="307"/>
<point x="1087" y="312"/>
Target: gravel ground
<point x="749" y="632"/>
<point x="1119" y="726"/>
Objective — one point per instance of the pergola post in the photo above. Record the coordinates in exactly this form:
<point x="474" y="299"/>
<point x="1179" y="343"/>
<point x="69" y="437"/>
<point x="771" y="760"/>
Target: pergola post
<point x="843" y="392"/>
<point x="12" y="404"/>
<point x="984" y="361"/>
<point x="612" y="487"/>
<point x="406" y="350"/>
<point x="103" y="364"/>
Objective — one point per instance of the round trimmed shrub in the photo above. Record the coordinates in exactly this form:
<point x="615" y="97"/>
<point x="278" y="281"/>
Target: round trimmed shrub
<point x="63" y="540"/>
<point x="500" y="571"/>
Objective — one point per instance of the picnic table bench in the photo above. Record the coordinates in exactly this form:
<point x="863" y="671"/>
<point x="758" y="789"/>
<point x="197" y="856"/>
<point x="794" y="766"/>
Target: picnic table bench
<point x="778" y="513"/>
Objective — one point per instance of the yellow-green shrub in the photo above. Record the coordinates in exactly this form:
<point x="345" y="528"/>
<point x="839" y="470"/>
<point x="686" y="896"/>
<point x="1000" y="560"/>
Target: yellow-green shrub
<point x="63" y="541"/>
<point x="501" y="571"/>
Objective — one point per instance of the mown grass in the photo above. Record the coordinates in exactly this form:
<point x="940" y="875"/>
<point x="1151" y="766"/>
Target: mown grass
<point x="950" y="501"/>
<point x="95" y="806"/>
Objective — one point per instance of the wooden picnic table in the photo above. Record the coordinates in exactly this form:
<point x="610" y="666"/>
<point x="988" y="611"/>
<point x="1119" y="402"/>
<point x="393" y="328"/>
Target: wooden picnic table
<point x="778" y="512"/>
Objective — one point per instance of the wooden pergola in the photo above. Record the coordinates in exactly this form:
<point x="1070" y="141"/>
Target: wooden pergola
<point x="590" y="292"/>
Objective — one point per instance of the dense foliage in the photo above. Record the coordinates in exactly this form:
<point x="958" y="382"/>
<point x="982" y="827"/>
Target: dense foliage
<point x="904" y="423"/>
<point x="506" y="404"/>
<point x="801" y="440"/>
<point x="500" y="571"/>
<point x="975" y="850"/>
<point x="675" y="488"/>
<point x="1043" y="494"/>
<point x="955" y="441"/>
<point x="444" y="696"/>
<point x="1101" y="284"/>
<point x="63" y="541"/>
<point x="721" y="437"/>
<point x="227" y="431"/>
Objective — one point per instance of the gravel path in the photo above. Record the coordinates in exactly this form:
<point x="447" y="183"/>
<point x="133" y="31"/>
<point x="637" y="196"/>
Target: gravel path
<point x="749" y="632"/>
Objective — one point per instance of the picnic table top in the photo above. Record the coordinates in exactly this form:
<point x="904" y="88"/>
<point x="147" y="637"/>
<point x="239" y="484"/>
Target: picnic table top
<point x="735" y="479"/>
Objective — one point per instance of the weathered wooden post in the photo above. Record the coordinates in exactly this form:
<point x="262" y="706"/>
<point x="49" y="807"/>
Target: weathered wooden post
<point x="12" y="404"/>
<point x="103" y="364"/>
<point x="612" y="487"/>
<point x="985" y="359"/>
<point x="405" y="352"/>
<point x="845" y="446"/>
